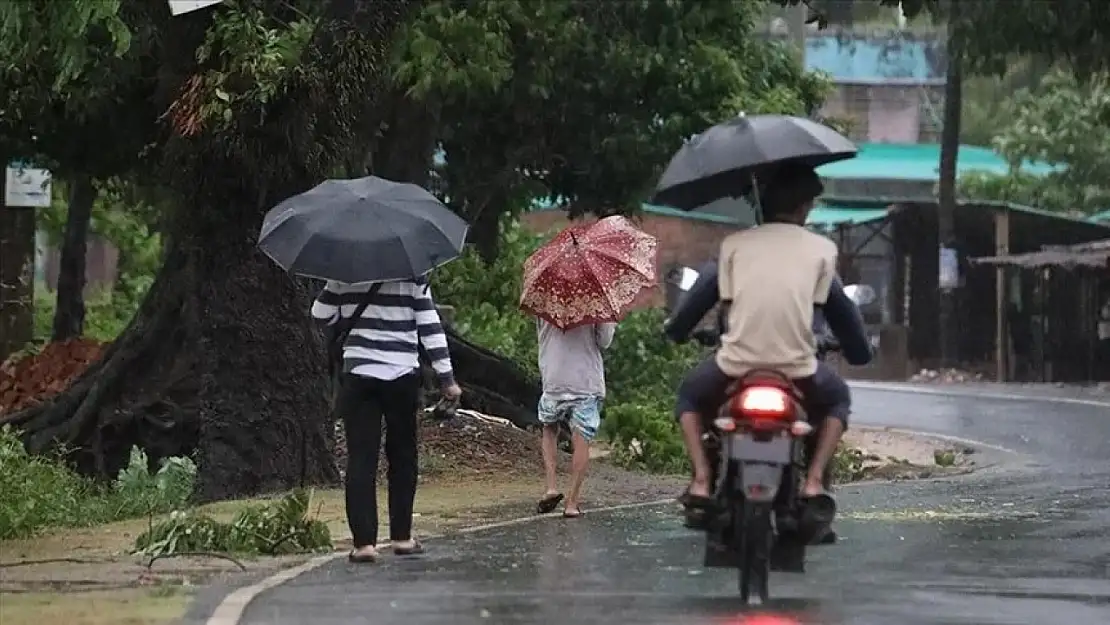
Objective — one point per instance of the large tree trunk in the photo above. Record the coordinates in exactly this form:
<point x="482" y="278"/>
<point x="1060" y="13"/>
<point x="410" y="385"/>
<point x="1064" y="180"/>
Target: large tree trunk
<point x="221" y="360"/>
<point x="69" y="313"/>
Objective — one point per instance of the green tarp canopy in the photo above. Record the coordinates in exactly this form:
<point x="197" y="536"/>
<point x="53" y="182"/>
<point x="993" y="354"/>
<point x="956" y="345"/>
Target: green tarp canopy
<point x="829" y="216"/>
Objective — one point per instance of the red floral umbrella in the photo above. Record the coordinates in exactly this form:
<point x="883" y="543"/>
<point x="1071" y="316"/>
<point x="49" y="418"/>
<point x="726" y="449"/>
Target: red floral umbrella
<point x="589" y="274"/>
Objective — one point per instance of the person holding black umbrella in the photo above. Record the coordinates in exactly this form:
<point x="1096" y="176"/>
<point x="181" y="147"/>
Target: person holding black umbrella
<point x="374" y="241"/>
<point x="381" y="382"/>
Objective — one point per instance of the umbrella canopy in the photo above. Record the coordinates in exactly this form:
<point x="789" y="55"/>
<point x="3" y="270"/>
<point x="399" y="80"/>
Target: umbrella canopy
<point x="589" y="274"/>
<point x="362" y="230"/>
<point x="722" y="161"/>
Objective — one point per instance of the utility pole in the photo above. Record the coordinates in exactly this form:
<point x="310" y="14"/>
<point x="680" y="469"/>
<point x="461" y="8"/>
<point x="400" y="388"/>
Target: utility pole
<point x="948" y="277"/>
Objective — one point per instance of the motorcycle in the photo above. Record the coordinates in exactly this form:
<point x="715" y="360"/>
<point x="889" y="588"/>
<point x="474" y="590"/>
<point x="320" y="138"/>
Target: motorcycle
<point x="758" y="445"/>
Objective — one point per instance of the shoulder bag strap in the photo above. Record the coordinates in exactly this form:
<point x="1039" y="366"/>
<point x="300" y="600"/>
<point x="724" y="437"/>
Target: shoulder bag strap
<point x="344" y="326"/>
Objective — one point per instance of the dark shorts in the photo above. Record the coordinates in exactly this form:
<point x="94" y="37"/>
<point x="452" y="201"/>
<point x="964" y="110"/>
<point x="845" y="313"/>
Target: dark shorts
<point x="704" y="387"/>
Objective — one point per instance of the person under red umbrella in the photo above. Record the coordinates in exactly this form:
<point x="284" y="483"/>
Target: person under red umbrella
<point x="579" y="286"/>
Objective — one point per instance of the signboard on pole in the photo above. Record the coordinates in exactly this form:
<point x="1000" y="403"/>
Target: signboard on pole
<point x="949" y="277"/>
<point x="26" y="187"/>
<point x="180" y="7"/>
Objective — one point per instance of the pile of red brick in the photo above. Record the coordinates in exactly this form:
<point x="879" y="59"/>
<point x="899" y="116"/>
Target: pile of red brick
<point x="35" y="378"/>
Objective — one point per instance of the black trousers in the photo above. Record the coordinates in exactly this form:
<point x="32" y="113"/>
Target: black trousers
<point x="362" y="404"/>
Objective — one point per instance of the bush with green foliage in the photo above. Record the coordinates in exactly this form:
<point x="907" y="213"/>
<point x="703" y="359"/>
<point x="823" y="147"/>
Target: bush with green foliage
<point x="128" y="223"/>
<point x="41" y="491"/>
<point x="107" y="314"/>
<point x="642" y="369"/>
<point x="277" y="528"/>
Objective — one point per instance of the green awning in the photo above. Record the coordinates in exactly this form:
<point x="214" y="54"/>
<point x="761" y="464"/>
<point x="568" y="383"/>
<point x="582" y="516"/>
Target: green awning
<point x="840" y="215"/>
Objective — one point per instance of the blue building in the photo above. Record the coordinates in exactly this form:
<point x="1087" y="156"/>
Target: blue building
<point x="888" y="85"/>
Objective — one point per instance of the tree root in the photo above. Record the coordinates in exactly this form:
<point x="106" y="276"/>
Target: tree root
<point x="19" y="563"/>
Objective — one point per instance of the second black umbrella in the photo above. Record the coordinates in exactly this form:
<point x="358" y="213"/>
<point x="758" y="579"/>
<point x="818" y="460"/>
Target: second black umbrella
<point x="721" y="161"/>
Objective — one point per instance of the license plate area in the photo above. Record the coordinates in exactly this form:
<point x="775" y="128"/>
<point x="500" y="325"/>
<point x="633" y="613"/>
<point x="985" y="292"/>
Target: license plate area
<point x="744" y="448"/>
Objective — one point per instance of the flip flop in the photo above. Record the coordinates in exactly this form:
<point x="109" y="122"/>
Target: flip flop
<point x="699" y="502"/>
<point x="572" y="514"/>
<point x="549" y="503"/>
<point x="362" y="558"/>
<point x="415" y="550"/>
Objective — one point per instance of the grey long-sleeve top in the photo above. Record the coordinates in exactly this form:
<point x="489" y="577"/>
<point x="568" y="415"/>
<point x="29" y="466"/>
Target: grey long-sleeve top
<point x="570" y="362"/>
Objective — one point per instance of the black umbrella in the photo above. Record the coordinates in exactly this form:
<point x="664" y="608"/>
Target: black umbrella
<point x="722" y="161"/>
<point x="362" y="230"/>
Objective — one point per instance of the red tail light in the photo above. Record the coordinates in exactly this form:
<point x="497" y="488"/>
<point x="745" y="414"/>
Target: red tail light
<point x="763" y="402"/>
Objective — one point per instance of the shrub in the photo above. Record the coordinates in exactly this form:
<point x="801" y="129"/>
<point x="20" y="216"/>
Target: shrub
<point x="41" y="491"/>
<point x="486" y="297"/>
<point x="107" y="314"/>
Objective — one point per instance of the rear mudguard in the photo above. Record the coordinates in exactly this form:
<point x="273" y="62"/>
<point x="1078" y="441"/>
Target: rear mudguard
<point x="756" y="481"/>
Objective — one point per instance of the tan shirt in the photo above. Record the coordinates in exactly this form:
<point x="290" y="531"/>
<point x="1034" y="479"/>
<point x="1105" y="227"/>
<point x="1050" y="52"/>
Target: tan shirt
<point x="774" y="274"/>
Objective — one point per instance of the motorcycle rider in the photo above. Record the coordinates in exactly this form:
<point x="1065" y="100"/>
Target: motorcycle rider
<point x="771" y="279"/>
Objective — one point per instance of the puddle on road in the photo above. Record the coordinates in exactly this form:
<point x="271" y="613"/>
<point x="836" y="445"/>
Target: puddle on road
<point x="941" y="515"/>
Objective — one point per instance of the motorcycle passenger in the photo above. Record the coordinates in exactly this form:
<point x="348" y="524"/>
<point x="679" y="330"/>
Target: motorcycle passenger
<point x="771" y="277"/>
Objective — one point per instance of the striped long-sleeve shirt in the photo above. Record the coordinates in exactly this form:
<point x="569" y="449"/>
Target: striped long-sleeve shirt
<point x="383" y="343"/>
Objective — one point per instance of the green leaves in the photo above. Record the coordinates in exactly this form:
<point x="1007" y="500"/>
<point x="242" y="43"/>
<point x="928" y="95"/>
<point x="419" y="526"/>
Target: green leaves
<point x="41" y="491"/>
<point x="278" y="528"/>
<point x="250" y="56"/>
<point x="451" y="53"/>
<point x="588" y="100"/>
<point x="62" y="38"/>
<point x="1063" y="122"/>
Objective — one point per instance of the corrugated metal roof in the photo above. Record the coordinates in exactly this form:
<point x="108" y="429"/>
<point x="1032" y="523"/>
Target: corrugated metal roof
<point x="1093" y="254"/>
<point x="918" y="162"/>
<point x="875" y="202"/>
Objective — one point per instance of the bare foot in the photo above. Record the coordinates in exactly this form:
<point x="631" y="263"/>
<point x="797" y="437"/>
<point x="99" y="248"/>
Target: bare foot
<point x="698" y="488"/>
<point x="813" y="488"/>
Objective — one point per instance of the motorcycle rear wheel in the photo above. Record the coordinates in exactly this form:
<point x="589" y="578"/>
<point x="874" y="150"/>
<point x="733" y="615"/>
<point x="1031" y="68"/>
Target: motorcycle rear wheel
<point x="754" y="535"/>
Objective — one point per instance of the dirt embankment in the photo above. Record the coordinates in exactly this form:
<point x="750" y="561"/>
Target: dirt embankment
<point x="26" y="380"/>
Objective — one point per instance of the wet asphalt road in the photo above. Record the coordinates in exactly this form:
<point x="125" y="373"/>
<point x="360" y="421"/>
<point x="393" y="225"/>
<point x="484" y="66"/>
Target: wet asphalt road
<point x="1026" y="541"/>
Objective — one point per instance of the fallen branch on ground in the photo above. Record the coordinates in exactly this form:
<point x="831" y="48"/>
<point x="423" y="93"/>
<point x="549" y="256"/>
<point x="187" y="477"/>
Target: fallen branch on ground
<point x="196" y="554"/>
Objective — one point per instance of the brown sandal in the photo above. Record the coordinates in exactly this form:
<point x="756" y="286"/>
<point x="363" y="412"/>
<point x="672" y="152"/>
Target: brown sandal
<point x="549" y="503"/>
